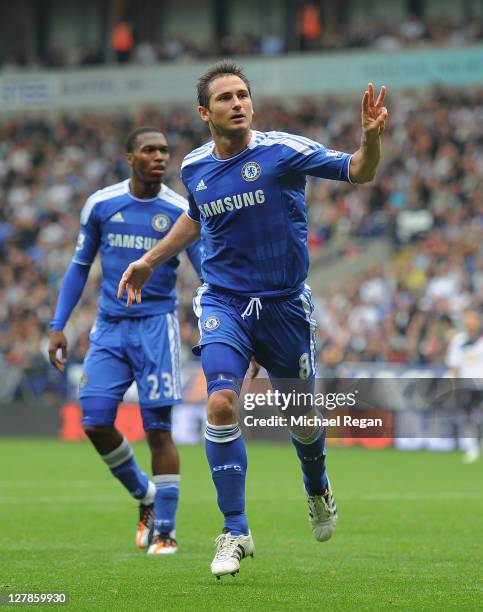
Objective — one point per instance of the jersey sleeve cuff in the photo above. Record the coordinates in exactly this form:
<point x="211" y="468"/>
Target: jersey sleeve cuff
<point x="190" y="216"/>
<point x="55" y="326"/>
<point x="349" y="170"/>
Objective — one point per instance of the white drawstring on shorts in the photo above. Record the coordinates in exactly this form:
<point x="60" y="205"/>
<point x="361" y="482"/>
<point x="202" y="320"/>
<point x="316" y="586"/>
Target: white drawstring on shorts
<point x="249" y="309"/>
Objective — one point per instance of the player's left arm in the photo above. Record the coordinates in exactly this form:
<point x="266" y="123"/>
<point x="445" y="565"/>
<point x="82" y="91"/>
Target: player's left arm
<point x="185" y="231"/>
<point x="364" y="161"/>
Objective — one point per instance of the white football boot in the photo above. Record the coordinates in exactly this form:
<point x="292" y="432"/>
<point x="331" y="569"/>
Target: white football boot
<point x="230" y="550"/>
<point x="322" y="514"/>
<point x="145" y="528"/>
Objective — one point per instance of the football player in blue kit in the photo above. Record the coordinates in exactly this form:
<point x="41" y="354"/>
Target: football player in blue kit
<point x="246" y="193"/>
<point x="138" y="344"/>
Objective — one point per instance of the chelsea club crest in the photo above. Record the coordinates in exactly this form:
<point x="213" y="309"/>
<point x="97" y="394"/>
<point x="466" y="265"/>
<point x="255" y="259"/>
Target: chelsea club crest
<point x="211" y="323"/>
<point x="161" y="223"/>
<point x="251" y="171"/>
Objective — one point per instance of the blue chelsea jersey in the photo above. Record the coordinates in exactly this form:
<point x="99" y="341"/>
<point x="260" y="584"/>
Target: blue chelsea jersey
<point x="252" y="210"/>
<point x="123" y="227"/>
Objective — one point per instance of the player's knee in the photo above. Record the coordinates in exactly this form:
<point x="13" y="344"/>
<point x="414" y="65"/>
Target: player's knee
<point x="158" y="439"/>
<point x="97" y="430"/>
<point x="94" y="432"/>
<point x="222" y="407"/>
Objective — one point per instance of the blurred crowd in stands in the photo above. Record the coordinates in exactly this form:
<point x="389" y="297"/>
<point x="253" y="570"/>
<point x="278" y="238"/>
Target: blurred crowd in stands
<point x="311" y="35"/>
<point x="427" y="200"/>
<point x="407" y="310"/>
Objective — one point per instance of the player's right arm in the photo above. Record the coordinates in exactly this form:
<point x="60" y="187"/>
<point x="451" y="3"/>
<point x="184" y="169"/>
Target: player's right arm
<point x="70" y="292"/>
<point x="73" y="283"/>
<point x="185" y="231"/>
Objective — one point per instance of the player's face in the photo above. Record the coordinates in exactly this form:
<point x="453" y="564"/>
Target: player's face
<point x="149" y="157"/>
<point x="230" y="109"/>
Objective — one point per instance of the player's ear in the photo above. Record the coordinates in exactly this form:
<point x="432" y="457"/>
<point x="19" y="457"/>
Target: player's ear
<point x="204" y="113"/>
<point x="129" y="158"/>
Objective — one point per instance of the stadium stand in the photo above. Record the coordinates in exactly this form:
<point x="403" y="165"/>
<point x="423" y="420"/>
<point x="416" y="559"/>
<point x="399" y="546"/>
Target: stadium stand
<point x="379" y="34"/>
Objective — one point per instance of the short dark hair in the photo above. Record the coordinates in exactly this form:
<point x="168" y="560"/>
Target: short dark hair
<point x="132" y="136"/>
<point x="223" y="68"/>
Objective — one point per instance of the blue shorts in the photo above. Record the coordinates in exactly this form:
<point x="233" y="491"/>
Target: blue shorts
<point x="145" y="350"/>
<point x="279" y="332"/>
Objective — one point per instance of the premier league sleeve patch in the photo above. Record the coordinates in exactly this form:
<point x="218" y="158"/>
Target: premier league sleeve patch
<point x="83" y="380"/>
<point x="251" y="171"/>
<point x="211" y="323"/>
<point x="161" y="223"/>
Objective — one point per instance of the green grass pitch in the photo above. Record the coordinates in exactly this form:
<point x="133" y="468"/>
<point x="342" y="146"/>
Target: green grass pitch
<point x="409" y="534"/>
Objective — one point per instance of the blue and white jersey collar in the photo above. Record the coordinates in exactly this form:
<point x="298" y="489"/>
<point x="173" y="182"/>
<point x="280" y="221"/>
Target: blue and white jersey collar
<point x="158" y="195"/>
<point x="251" y="145"/>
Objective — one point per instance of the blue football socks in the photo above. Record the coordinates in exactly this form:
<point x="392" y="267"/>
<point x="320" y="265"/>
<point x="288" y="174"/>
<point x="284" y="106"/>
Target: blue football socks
<point x="165" y="502"/>
<point x="311" y="452"/>
<point x="225" y="451"/>
<point x="123" y="466"/>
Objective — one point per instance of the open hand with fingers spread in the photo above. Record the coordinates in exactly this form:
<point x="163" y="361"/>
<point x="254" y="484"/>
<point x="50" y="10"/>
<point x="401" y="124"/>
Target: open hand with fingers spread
<point x="374" y="114"/>
<point x="135" y="276"/>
